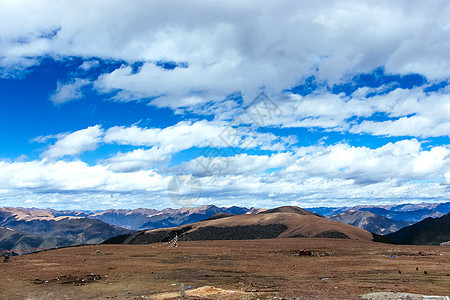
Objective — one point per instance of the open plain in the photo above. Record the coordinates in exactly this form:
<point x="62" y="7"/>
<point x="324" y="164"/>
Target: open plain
<point x="248" y="269"/>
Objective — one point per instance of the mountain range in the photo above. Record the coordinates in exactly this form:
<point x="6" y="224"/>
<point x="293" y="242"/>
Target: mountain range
<point x="32" y="227"/>
<point x="402" y="212"/>
<point x="369" y="221"/>
<point x="138" y="219"/>
<point x="23" y="228"/>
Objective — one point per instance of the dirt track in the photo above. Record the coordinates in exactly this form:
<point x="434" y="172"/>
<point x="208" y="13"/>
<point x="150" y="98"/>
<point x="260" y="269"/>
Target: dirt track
<point x="339" y="269"/>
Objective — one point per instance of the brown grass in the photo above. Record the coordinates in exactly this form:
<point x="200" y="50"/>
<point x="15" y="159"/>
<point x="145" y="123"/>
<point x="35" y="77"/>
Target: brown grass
<point x="339" y="269"/>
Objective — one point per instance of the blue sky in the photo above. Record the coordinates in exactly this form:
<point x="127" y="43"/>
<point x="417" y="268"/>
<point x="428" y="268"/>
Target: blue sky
<point x="106" y="105"/>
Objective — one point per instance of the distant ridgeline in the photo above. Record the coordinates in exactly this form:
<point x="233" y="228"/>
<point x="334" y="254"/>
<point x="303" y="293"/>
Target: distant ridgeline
<point x="22" y="228"/>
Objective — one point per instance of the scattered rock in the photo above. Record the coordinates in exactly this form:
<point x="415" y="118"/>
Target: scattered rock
<point x="399" y="296"/>
<point x="70" y="279"/>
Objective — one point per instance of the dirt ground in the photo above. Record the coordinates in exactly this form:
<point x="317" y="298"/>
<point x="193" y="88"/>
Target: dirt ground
<point x="256" y="269"/>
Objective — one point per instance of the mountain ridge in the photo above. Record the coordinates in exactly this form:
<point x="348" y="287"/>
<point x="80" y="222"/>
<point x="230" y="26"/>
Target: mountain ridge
<point x="430" y="231"/>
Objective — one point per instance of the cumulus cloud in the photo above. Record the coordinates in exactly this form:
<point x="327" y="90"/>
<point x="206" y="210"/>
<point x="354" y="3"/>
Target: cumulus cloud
<point x="241" y="164"/>
<point x="186" y="134"/>
<point x="309" y="182"/>
<point x="75" y="176"/>
<point x="139" y="159"/>
<point x="401" y="112"/>
<point x="237" y="46"/>
<point x="66" y="92"/>
<point x="403" y="161"/>
<point x="447" y="178"/>
<point x="180" y="136"/>
<point x="75" y="143"/>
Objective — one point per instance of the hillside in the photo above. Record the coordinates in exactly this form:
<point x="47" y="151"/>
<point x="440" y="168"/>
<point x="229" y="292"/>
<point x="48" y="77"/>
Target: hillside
<point x="369" y="221"/>
<point x="257" y="226"/>
<point x="11" y="239"/>
<point x="431" y="231"/>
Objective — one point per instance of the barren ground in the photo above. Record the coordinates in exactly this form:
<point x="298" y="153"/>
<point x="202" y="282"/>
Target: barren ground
<point x="256" y="269"/>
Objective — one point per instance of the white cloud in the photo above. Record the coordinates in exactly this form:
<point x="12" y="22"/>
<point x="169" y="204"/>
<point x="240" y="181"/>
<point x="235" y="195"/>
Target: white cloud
<point x="75" y="176"/>
<point x="69" y="91"/>
<point x="447" y="178"/>
<point x="237" y="46"/>
<point x="139" y="159"/>
<point x="402" y="112"/>
<point x="241" y="164"/>
<point x="333" y="175"/>
<point x="414" y="113"/>
<point x="402" y="161"/>
<point x="181" y="136"/>
<point x="185" y="135"/>
<point x="89" y="64"/>
<point x="75" y="143"/>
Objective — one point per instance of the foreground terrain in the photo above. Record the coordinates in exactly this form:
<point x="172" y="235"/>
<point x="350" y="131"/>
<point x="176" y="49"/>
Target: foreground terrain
<point x="338" y="269"/>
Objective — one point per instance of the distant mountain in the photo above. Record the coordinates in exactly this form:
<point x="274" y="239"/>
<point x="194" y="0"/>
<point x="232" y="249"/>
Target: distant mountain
<point x="289" y="209"/>
<point x="369" y="221"/>
<point x="76" y="230"/>
<point x="11" y="239"/>
<point x="410" y="216"/>
<point x="401" y="212"/>
<point x="131" y="219"/>
<point x="443" y="207"/>
<point x="431" y="231"/>
<point x="279" y="223"/>
<point x="94" y="226"/>
<point x="152" y="219"/>
<point x="327" y="211"/>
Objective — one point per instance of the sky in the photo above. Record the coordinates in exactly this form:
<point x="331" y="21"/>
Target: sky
<point x="118" y="104"/>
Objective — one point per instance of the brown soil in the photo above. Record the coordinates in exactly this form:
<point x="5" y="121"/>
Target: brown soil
<point x="256" y="269"/>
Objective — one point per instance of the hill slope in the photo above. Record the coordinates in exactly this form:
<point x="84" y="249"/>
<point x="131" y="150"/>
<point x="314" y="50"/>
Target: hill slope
<point x="369" y="221"/>
<point x="257" y="226"/>
<point x="11" y="239"/>
<point x="426" y="232"/>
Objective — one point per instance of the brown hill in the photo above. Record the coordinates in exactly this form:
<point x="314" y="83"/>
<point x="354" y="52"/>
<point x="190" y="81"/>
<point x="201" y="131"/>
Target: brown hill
<point x="289" y="209"/>
<point x="219" y="215"/>
<point x="265" y="225"/>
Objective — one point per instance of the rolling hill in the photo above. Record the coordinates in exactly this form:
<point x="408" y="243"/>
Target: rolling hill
<point x="431" y="231"/>
<point x="285" y="222"/>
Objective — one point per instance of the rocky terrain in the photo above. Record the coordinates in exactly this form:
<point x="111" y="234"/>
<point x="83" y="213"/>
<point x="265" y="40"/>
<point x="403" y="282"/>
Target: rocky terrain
<point x="369" y="221"/>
